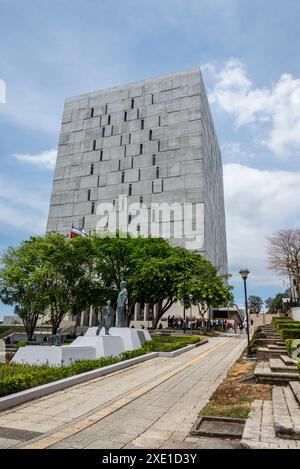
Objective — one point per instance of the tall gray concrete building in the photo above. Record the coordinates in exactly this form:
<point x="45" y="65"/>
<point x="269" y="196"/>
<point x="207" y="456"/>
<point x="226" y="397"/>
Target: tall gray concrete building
<point x="152" y="141"/>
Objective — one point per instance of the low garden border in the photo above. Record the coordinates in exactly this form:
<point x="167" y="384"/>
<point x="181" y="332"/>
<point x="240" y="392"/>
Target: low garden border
<point x="18" y="398"/>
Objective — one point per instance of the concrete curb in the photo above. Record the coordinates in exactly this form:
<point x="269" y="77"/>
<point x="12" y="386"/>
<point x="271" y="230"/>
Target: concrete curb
<point x="18" y="398"/>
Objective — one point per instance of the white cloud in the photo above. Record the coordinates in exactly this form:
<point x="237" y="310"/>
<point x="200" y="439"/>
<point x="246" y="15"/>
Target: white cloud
<point x="233" y="152"/>
<point x="45" y="159"/>
<point x="258" y="202"/>
<point x="276" y="109"/>
<point x="22" y="208"/>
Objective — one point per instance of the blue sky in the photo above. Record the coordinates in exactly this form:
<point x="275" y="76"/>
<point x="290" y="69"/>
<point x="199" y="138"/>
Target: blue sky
<point x="249" y="54"/>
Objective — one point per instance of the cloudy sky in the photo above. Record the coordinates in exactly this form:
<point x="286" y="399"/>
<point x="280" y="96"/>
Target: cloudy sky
<point x="249" y="55"/>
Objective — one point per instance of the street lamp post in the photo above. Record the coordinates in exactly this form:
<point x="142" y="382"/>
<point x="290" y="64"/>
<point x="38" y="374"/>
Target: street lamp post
<point x="244" y="274"/>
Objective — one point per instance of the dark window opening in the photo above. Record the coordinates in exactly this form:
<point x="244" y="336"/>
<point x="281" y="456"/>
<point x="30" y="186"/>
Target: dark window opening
<point x="129" y="139"/>
<point x="92" y="169"/>
<point x="141" y="148"/>
<point x="162" y="185"/>
<point x="125" y="151"/>
<point x="114" y="203"/>
<point x="157" y="172"/>
<point x="93" y="208"/>
<point x="138" y="114"/>
<point x="83" y="222"/>
<point x="130" y="189"/>
<point x="123" y="177"/>
<point x="101" y="155"/>
<point x="131" y="163"/>
<point x="89" y="195"/>
<point x="108" y="120"/>
<point x="132" y="103"/>
<point x="141" y="200"/>
<point x="92" y="112"/>
<point x="153" y="160"/>
<point x="125" y="116"/>
<point x="103" y="131"/>
<point x="158" y="145"/>
<point x="105" y="112"/>
<point x="152" y="99"/>
<point x="121" y="140"/>
<point x="119" y="165"/>
<point x="142" y="124"/>
<point x="94" y="145"/>
<point x="139" y="174"/>
<point x="98" y="181"/>
<point x="159" y="121"/>
<point x="150" y="134"/>
<point x="129" y="218"/>
<point x="152" y="187"/>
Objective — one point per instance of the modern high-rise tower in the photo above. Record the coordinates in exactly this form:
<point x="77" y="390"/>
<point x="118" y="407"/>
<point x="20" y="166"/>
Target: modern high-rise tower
<point x="153" y="141"/>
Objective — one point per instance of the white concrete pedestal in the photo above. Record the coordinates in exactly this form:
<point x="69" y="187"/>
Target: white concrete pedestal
<point x="133" y="338"/>
<point x="105" y="346"/>
<point x="53" y="356"/>
<point x="87" y="347"/>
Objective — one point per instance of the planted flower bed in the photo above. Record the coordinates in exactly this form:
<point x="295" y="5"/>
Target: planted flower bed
<point x="15" y="378"/>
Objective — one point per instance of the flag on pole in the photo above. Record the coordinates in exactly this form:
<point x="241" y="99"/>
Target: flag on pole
<point x="76" y="231"/>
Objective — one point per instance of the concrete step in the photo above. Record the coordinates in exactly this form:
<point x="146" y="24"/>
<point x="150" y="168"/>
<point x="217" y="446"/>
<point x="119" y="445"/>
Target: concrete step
<point x="265" y="342"/>
<point x="286" y="412"/>
<point x="276" y="347"/>
<point x="264" y="375"/>
<point x="276" y="364"/>
<point x="281" y="344"/>
<point x="264" y="353"/>
<point x="259" y="431"/>
<point x="295" y="387"/>
<point x="288" y="360"/>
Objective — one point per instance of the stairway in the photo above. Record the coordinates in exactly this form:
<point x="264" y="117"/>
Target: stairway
<point x="279" y="370"/>
<point x="275" y="424"/>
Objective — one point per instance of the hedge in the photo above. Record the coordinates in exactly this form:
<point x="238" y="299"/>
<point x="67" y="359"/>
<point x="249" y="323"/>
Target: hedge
<point x="290" y="334"/>
<point x="282" y="320"/>
<point x="289" y="325"/>
<point x="15" y="377"/>
<point x="288" y="346"/>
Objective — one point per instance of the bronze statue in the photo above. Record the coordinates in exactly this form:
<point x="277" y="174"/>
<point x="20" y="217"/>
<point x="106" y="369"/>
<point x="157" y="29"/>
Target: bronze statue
<point x="57" y="339"/>
<point x="121" y="302"/>
<point x="106" y="321"/>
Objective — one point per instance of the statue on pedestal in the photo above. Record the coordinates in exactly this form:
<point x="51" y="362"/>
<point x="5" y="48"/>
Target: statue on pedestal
<point x="121" y="302"/>
<point x="106" y="321"/>
<point x="57" y="339"/>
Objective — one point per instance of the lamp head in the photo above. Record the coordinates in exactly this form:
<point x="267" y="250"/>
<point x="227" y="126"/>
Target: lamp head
<point x="244" y="273"/>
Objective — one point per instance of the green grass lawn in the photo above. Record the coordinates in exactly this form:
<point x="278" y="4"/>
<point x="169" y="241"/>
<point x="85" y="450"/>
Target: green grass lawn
<point x="15" y="378"/>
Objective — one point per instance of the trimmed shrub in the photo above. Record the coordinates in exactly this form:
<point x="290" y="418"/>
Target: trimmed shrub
<point x="290" y="334"/>
<point x="281" y="320"/>
<point x="15" y="378"/>
<point x="288" y="346"/>
<point x="289" y="325"/>
<point x="21" y="344"/>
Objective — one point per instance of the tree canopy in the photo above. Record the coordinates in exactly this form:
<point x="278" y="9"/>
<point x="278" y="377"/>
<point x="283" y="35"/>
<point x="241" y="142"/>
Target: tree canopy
<point x="58" y="275"/>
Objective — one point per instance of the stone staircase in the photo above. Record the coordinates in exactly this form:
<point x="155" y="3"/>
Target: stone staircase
<point x="275" y="424"/>
<point x="278" y="370"/>
<point x="271" y="345"/>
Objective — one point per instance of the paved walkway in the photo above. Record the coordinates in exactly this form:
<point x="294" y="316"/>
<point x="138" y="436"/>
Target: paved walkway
<point x="150" y="405"/>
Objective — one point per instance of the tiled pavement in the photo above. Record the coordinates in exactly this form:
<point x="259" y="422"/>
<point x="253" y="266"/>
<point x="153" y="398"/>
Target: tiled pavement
<point x="133" y="411"/>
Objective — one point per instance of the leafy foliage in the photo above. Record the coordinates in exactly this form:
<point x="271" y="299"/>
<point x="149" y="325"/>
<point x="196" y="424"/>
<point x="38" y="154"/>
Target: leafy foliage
<point x="16" y="378"/>
<point x="58" y="275"/>
<point x="255" y="304"/>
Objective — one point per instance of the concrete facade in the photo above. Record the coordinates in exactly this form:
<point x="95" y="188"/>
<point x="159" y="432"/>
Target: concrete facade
<point x="153" y="139"/>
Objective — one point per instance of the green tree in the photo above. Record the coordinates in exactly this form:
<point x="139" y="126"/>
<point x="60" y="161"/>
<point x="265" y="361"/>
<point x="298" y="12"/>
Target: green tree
<point x="205" y="288"/>
<point x="255" y="304"/>
<point x="21" y="285"/>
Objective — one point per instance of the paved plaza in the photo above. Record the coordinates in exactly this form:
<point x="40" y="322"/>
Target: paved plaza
<point x="149" y="405"/>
